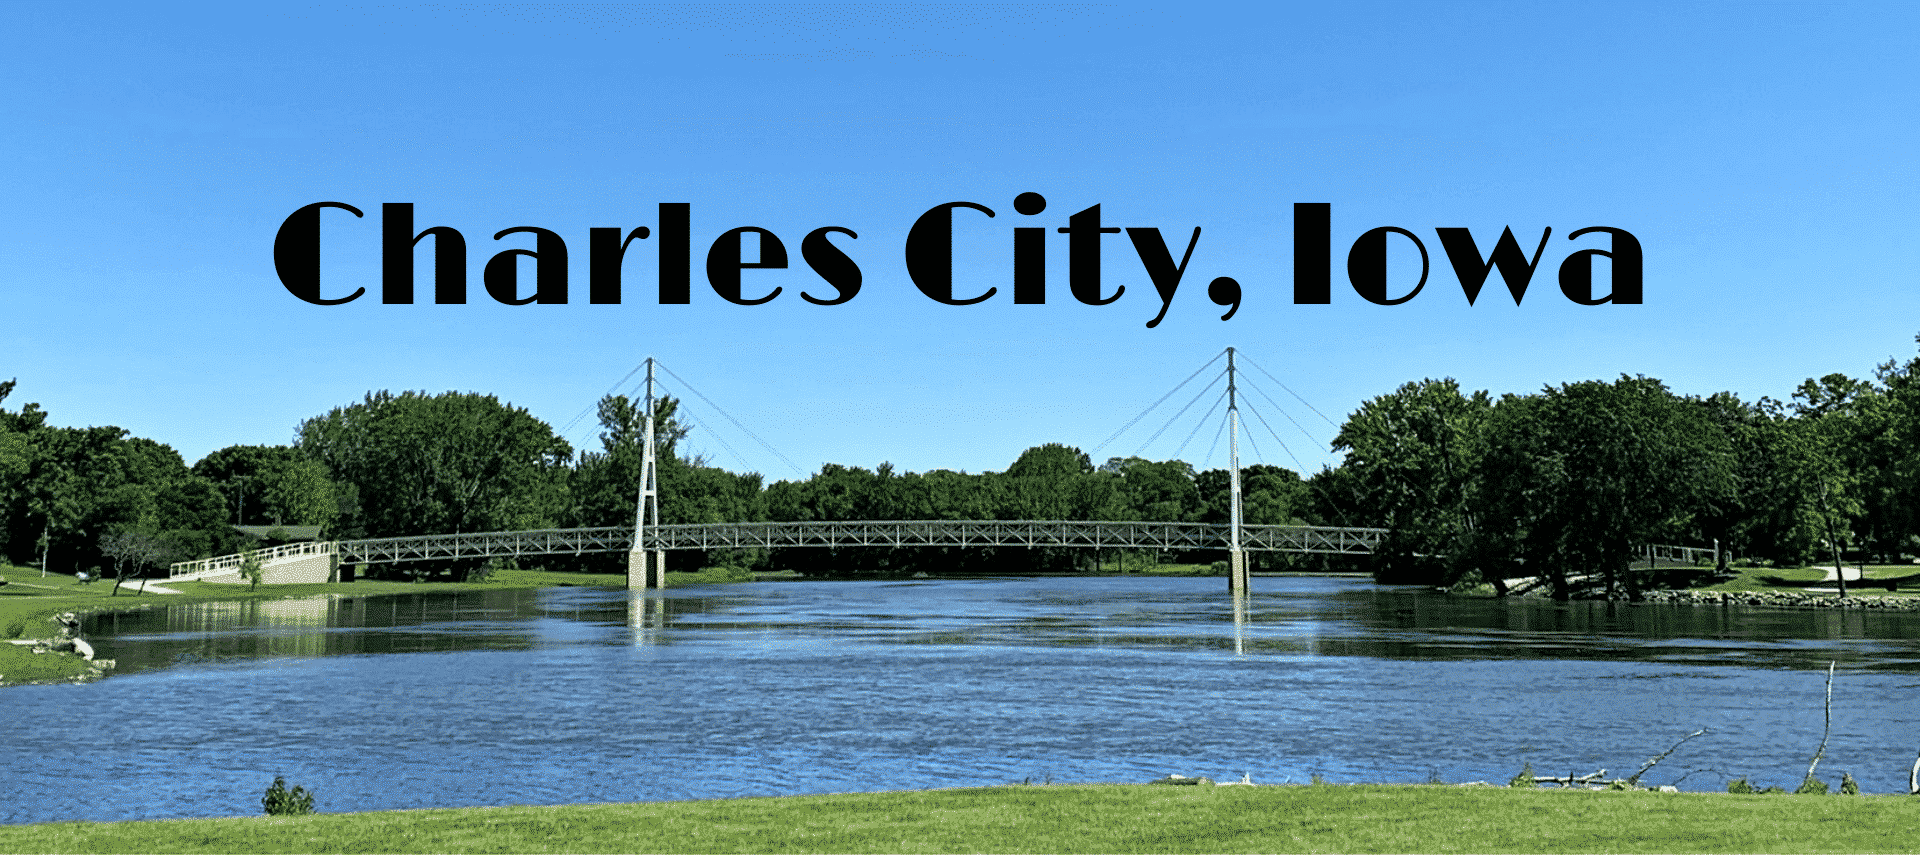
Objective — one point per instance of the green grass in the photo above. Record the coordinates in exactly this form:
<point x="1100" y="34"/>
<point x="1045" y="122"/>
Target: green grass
<point x="1795" y="578"/>
<point x="1079" y="818"/>
<point x="29" y="599"/>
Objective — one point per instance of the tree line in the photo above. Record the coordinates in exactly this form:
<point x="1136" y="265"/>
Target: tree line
<point x="1565" y="483"/>
<point x="1574" y="481"/>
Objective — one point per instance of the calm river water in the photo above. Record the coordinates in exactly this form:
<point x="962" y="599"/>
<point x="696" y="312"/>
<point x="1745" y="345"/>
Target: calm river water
<point x="592" y="695"/>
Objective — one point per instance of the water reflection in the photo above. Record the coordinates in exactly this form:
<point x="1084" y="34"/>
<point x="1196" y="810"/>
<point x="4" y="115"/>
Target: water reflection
<point x="530" y="697"/>
<point x="1317" y="617"/>
<point x="646" y="616"/>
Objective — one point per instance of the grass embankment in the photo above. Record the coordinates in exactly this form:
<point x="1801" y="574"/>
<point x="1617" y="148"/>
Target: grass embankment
<point x="28" y="600"/>
<point x="1078" y="818"/>
<point x="1795" y="578"/>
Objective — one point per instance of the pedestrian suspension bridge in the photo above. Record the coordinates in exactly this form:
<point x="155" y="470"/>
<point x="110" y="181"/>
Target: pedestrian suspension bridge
<point x="647" y="541"/>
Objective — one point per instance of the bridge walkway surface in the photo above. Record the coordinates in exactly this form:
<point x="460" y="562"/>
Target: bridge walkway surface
<point x="315" y="562"/>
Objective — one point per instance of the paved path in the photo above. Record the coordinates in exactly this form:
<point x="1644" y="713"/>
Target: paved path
<point x="1853" y="575"/>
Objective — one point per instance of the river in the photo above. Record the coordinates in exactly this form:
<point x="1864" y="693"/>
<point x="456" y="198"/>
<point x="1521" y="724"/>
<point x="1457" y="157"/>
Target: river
<point x="581" y="694"/>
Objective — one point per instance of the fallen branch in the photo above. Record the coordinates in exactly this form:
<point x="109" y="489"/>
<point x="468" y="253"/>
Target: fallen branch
<point x="1635" y="780"/>
<point x="1569" y="780"/>
<point x="1822" y="751"/>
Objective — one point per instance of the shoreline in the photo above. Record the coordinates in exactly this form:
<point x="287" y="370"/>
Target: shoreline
<point x="1058" y="818"/>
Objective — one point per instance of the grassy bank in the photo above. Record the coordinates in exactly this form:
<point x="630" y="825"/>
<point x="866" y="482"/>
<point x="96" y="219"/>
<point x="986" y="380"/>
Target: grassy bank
<point x="28" y="600"/>
<point x="1791" y="578"/>
<point x="1080" y="818"/>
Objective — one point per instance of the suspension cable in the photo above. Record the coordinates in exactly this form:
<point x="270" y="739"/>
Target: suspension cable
<point x="729" y="417"/>
<point x="1150" y="407"/>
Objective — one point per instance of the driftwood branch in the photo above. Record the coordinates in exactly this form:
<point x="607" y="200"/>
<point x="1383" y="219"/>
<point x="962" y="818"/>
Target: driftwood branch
<point x="1822" y="751"/>
<point x="1570" y="779"/>
<point x="1635" y="780"/>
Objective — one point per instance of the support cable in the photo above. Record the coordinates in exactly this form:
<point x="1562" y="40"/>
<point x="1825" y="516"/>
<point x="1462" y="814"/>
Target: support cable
<point x="596" y="404"/>
<point x="1217" y="434"/>
<point x="1283" y="412"/>
<point x="1150" y="407"/>
<point x="693" y="419"/>
<point x="1276" y="438"/>
<point x="1316" y="412"/>
<point x="736" y="422"/>
<point x="1176" y="417"/>
<point x="1200" y="424"/>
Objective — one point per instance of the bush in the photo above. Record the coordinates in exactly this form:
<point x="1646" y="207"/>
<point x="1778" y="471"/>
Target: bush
<point x="279" y="801"/>
<point x="1812" y="786"/>
<point x="1740" y="787"/>
<point x="1848" y="786"/>
<point x="1524" y="780"/>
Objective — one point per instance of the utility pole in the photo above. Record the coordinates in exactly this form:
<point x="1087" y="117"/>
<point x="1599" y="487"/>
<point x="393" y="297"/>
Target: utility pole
<point x="644" y="571"/>
<point x="1237" y="570"/>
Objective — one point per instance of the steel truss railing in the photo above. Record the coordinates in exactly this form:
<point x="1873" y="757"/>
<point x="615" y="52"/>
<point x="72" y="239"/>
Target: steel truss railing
<point x="883" y="533"/>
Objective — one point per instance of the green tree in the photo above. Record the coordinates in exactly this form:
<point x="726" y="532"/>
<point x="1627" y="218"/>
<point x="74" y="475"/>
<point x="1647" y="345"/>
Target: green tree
<point x="1577" y="479"/>
<point x="441" y="464"/>
<point x="1411" y="459"/>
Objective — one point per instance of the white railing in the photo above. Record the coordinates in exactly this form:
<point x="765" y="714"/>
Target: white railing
<point x="218" y="565"/>
<point x="1688" y="555"/>
<point x="895" y="533"/>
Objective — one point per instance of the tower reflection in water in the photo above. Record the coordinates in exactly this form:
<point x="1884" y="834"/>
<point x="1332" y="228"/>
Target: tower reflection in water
<point x="646" y="616"/>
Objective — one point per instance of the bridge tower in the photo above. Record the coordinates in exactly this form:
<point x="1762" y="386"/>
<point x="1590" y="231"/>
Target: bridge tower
<point x="1239" y="577"/>
<point x="647" y="568"/>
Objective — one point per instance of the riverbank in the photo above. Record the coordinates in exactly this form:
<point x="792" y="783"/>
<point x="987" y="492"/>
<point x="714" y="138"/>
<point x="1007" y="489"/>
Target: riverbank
<point x="28" y="602"/>
<point x="1063" y="818"/>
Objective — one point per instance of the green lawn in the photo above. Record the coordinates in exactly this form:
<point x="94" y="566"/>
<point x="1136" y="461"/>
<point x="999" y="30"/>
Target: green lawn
<point x="1794" y="578"/>
<point x="29" y="599"/>
<point x="1079" y="818"/>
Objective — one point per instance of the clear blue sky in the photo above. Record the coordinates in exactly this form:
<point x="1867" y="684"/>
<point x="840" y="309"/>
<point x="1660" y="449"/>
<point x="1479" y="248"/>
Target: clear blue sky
<point x="1764" y="155"/>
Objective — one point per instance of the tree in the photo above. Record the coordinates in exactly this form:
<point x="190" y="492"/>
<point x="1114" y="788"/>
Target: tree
<point x="440" y="464"/>
<point x="271" y="485"/>
<point x="1577" y="479"/>
<point x="251" y="569"/>
<point x="1411" y="458"/>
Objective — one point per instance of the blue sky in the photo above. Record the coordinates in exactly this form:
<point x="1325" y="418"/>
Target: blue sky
<point x="1763" y="155"/>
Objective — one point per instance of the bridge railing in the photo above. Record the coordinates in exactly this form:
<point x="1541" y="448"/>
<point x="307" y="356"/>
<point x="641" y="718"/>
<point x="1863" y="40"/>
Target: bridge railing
<point x="1096" y="534"/>
<point x="488" y="544"/>
<point x="231" y="563"/>
<point x="883" y="533"/>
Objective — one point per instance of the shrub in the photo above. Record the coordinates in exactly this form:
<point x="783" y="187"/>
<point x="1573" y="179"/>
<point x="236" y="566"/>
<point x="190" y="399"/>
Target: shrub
<point x="279" y="801"/>
<point x="1524" y="780"/>
<point x="251" y="570"/>
<point x="1848" y="786"/>
<point x="1812" y="786"/>
<point x="1739" y="786"/>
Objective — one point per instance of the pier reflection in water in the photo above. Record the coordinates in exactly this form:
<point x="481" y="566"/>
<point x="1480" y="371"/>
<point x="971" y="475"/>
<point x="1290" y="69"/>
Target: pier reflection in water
<point x="593" y="694"/>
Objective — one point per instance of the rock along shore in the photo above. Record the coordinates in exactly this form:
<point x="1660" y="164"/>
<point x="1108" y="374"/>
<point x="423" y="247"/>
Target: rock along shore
<point x="1782" y="599"/>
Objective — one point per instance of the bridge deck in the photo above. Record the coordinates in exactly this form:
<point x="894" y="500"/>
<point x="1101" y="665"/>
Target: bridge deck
<point x="882" y="533"/>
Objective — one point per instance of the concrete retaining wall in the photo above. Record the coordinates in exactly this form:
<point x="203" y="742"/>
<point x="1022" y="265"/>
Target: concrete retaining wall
<point x="306" y="568"/>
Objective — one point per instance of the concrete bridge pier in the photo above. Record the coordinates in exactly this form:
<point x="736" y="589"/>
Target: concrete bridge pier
<point x="647" y="568"/>
<point x="1239" y="576"/>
